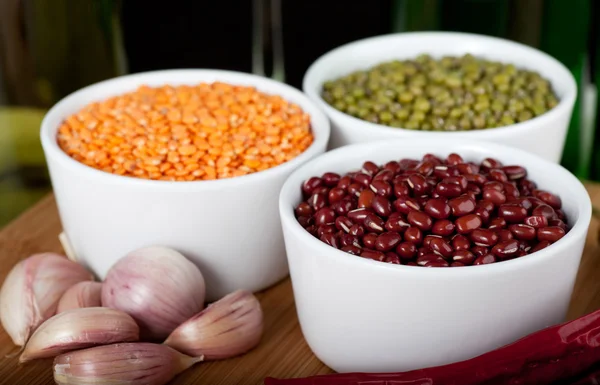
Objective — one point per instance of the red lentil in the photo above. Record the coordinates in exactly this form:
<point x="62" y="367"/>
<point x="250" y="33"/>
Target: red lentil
<point x="185" y="133"/>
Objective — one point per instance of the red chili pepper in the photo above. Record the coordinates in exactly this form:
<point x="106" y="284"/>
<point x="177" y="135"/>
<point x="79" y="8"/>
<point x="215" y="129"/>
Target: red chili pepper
<point x="557" y="353"/>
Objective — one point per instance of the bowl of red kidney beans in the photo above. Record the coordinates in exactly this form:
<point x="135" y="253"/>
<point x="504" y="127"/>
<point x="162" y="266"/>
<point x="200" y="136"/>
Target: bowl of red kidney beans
<point x="416" y="253"/>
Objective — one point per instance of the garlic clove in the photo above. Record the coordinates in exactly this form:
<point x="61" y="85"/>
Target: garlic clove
<point x="82" y="294"/>
<point x="229" y="327"/>
<point x="31" y="292"/>
<point x="121" y="364"/>
<point x="78" y="329"/>
<point x="158" y="287"/>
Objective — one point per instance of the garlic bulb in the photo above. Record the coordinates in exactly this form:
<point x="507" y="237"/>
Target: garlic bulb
<point x="78" y="329"/>
<point x="82" y="294"/>
<point x="31" y="292"/>
<point x="121" y="364"/>
<point x="158" y="287"/>
<point x="231" y="326"/>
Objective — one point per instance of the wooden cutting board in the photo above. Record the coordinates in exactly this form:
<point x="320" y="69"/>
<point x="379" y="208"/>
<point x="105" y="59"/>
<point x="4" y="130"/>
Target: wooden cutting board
<point x="282" y="352"/>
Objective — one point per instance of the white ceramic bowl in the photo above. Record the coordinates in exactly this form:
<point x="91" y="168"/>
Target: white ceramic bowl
<point x="544" y="135"/>
<point x="230" y="227"/>
<point x="363" y="315"/>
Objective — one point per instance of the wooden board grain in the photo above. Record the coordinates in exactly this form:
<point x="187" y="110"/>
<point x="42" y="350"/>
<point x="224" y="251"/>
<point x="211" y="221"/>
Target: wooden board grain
<point x="282" y="352"/>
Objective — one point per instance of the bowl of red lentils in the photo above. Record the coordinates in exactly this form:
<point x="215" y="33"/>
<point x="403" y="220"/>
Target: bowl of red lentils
<point x="190" y="159"/>
<point x="444" y="84"/>
<point x="396" y="247"/>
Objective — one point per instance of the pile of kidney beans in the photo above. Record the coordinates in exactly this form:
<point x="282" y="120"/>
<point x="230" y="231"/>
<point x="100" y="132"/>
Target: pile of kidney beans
<point x="432" y="212"/>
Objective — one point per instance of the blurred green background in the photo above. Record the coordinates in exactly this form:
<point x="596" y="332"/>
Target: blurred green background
<point x="49" y="48"/>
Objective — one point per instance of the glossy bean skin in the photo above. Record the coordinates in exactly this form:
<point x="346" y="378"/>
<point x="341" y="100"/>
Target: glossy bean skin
<point x="432" y="212"/>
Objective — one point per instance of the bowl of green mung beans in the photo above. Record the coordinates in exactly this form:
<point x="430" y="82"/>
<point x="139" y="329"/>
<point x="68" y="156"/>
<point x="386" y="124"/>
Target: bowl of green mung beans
<point x="444" y="84"/>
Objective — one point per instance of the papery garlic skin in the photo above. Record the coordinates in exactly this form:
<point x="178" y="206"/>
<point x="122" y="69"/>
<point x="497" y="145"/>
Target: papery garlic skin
<point x="79" y="329"/>
<point x="158" y="287"/>
<point x="229" y="327"/>
<point x="82" y="294"/>
<point x="31" y="292"/>
<point x="121" y="364"/>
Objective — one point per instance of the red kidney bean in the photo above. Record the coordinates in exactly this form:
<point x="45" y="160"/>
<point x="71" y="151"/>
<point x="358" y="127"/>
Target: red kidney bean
<point x="401" y="189"/>
<point x="373" y="223"/>
<point x="305" y="221"/>
<point x="461" y="205"/>
<point x="441" y="246"/>
<point x="437" y="208"/>
<point x="312" y="229"/>
<point x="369" y="168"/>
<point x="541" y="245"/>
<point x="473" y="188"/>
<point x="428" y="258"/>
<point x="424" y="168"/>
<point x="449" y="190"/>
<point x="497" y="175"/>
<point x="514" y="172"/>
<point x="468" y="223"/>
<point x="355" y="189"/>
<point x="325" y="229"/>
<point x="535" y="201"/>
<point x="492" y="195"/>
<point x="406" y="250"/>
<point x="558" y="223"/>
<point x="372" y="254"/>
<point x="317" y="201"/>
<point x="443" y="227"/>
<point x="354" y="250"/>
<point x="344" y="206"/>
<point x="524" y="246"/>
<point x="536" y="221"/>
<point x="522" y="231"/>
<point x="463" y="256"/>
<point x="525" y="202"/>
<point x="383" y="176"/>
<point x="460" y="242"/>
<point x="550" y="233"/>
<point x="381" y="188"/>
<point x="358" y="215"/>
<point x="497" y="223"/>
<point x="471" y="195"/>
<point x="504" y="235"/>
<point x="321" y="190"/>
<point x="512" y="213"/>
<point x="494" y="185"/>
<point x="421" y="251"/>
<point x="396" y="223"/>
<point x="406" y="164"/>
<point x="331" y="179"/>
<point x="459" y="180"/>
<point x="466" y="168"/>
<point x="392" y="258"/>
<point x="444" y="171"/>
<point x="418" y="184"/>
<point x="489" y="163"/>
<point x="392" y="166"/>
<point x="476" y="179"/>
<point x="343" y="223"/>
<point x="560" y="214"/>
<point x="387" y="241"/>
<point x="420" y="220"/>
<point x="325" y="216"/>
<point x="486" y="205"/>
<point x="368" y="240"/>
<point x="304" y="209"/>
<point x="310" y="184"/>
<point x="485" y="259"/>
<point x="510" y="191"/>
<point x="545" y="211"/>
<point x="437" y="263"/>
<point x="381" y="206"/>
<point x="484" y="237"/>
<point x="506" y="249"/>
<point x="363" y="179"/>
<point x="414" y="235"/>
<point x="454" y="159"/>
<point x="548" y="198"/>
<point x="357" y="230"/>
<point x="428" y="238"/>
<point x="331" y="239"/>
<point x="483" y="214"/>
<point x="336" y="194"/>
<point x="431" y="158"/>
<point x="344" y="182"/>
<point x="405" y="205"/>
<point x="480" y="250"/>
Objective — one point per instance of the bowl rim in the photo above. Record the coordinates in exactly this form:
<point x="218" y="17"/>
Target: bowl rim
<point x="320" y="126"/>
<point x="311" y="86"/>
<point x="578" y="229"/>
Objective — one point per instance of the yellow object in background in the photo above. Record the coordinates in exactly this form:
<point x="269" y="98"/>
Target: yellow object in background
<point x="23" y="174"/>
